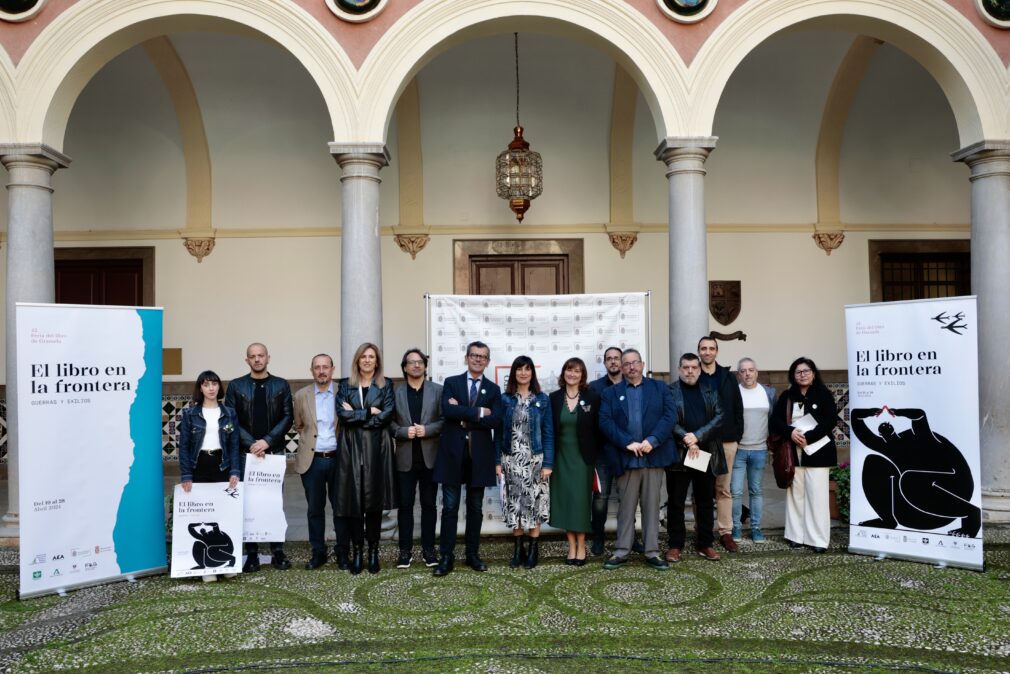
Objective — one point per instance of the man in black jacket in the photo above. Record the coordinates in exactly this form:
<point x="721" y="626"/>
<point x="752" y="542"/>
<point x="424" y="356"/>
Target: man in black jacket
<point x="722" y="381"/>
<point x="262" y="403"/>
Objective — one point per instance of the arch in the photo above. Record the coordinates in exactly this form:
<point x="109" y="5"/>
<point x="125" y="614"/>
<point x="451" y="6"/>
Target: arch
<point x="942" y="40"/>
<point x="7" y="98"/>
<point x="88" y="35"/>
<point x="616" y="28"/>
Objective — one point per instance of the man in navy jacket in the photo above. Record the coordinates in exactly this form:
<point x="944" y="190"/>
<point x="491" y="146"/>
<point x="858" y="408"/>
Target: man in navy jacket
<point x="471" y="409"/>
<point x="637" y="417"/>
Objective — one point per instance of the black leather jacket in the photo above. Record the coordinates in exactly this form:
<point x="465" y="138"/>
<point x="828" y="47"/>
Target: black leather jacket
<point x="280" y="414"/>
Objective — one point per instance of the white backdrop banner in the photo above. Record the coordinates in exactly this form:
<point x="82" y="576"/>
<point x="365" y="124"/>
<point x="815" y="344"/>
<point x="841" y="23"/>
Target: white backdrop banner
<point x="264" y="499"/>
<point x="89" y="442"/>
<point x="550" y="329"/>
<point x="913" y="415"/>
<point x="207" y="530"/>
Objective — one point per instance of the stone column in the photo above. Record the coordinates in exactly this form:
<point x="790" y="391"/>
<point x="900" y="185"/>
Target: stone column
<point x="30" y="275"/>
<point x="360" y="254"/>
<point x="688" y="271"/>
<point x="989" y="162"/>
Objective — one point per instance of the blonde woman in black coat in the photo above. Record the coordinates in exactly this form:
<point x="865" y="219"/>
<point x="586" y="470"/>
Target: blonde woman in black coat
<point x="366" y="482"/>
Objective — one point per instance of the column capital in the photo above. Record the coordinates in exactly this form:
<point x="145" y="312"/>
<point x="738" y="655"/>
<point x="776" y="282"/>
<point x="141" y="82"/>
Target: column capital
<point x="375" y="153"/>
<point x="39" y="153"/>
<point x="673" y="147"/>
<point x="985" y="158"/>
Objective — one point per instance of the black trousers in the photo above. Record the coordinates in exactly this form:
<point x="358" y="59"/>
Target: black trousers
<point x="703" y="484"/>
<point x="360" y="528"/>
<point x="208" y="467"/>
<point x="416" y="479"/>
<point x="319" y="480"/>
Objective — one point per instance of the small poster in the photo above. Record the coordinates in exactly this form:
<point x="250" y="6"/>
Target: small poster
<point x="264" y="499"/>
<point x="207" y="530"/>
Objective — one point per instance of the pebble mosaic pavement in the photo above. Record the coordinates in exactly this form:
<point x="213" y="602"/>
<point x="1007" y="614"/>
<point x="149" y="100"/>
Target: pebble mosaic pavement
<point x="764" y="609"/>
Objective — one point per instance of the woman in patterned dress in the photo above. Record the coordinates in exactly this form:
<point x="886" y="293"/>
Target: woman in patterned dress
<point x="525" y="457"/>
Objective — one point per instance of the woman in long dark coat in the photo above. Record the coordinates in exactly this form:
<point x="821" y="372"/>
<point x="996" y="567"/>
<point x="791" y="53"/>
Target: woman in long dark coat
<point x="366" y="483"/>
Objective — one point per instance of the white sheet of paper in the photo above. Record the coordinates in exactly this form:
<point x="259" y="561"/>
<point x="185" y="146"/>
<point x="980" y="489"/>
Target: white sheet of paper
<point x="264" y="499"/>
<point x="207" y="530"/>
<point x="700" y="463"/>
<point x="805" y="424"/>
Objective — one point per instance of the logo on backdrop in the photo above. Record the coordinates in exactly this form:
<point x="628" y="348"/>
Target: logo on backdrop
<point x="953" y="323"/>
<point x="916" y="478"/>
<point x="212" y="547"/>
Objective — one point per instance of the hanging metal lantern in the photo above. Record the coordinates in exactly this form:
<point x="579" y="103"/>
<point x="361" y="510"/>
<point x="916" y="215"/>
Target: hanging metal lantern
<point x="519" y="171"/>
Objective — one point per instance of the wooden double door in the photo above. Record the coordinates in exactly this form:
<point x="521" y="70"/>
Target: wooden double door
<point x="519" y="275"/>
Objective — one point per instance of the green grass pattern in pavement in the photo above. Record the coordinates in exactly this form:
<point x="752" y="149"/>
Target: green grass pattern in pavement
<point x="765" y="609"/>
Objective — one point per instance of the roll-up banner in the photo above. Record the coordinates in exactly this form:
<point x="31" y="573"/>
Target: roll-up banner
<point x="913" y="418"/>
<point x="550" y="329"/>
<point x="89" y="445"/>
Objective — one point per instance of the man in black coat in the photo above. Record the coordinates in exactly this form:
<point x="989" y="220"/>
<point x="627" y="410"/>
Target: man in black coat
<point x="723" y="382"/>
<point x="263" y="405"/>
<point x="471" y="409"/>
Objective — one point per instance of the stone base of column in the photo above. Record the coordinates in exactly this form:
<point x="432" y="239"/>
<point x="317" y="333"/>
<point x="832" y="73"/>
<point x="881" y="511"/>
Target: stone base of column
<point x="996" y="507"/>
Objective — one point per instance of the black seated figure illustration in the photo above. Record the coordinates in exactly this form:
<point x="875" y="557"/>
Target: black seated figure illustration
<point x="212" y="548"/>
<point x="917" y="479"/>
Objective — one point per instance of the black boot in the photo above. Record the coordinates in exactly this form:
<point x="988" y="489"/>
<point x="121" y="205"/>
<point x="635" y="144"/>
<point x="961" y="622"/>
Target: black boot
<point x="519" y="553"/>
<point x="534" y="553"/>
<point x="343" y="563"/>
<point x="445" y="566"/>
<point x="373" y="558"/>
<point x="357" y="563"/>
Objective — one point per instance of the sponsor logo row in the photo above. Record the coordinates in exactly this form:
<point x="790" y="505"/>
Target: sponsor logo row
<point x="918" y="539"/>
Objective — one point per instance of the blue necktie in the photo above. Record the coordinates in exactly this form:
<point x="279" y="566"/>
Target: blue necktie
<point x="473" y="392"/>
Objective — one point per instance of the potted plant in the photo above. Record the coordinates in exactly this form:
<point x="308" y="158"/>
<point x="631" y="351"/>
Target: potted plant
<point x="839" y="485"/>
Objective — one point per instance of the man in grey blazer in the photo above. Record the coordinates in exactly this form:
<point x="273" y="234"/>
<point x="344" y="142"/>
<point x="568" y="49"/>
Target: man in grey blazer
<point x="417" y="423"/>
<point x="315" y="419"/>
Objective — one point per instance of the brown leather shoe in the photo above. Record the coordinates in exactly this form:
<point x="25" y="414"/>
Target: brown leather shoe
<point x="728" y="543"/>
<point x="672" y="555"/>
<point x="709" y="553"/>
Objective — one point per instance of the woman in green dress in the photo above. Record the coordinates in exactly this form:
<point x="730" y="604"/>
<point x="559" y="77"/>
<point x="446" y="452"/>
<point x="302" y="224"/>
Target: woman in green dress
<point x="576" y="441"/>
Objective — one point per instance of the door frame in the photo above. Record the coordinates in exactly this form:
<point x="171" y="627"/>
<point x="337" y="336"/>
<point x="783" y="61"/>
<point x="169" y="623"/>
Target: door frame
<point x="462" y="249"/>
<point x="143" y="253"/>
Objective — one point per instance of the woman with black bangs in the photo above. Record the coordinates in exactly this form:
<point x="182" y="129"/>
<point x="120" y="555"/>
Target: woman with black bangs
<point x="525" y="457"/>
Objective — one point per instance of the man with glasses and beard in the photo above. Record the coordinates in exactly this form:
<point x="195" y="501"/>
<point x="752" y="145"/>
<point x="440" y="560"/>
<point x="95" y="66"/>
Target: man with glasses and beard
<point x="637" y="417"/>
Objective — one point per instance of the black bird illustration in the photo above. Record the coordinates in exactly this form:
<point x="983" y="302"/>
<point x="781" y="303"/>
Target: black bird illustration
<point x="942" y="317"/>
<point x="955" y="326"/>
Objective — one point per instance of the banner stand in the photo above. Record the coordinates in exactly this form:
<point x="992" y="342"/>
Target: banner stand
<point x="88" y="403"/>
<point x="63" y="590"/>
<point x="914" y="425"/>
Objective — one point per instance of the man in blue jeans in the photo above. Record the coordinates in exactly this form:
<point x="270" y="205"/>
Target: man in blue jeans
<point x="758" y="402"/>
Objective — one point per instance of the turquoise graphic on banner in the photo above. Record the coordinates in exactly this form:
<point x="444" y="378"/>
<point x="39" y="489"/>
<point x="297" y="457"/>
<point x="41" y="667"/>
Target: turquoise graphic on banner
<point x="139" y="534"/>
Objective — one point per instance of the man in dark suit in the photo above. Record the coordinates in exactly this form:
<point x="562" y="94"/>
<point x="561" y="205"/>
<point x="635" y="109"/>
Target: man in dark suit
<point x="637" y="417"/>
<point x="417" y="425"/>
<point x="471" y="409"/>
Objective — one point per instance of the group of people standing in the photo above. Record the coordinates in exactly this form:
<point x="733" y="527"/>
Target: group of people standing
<point x="367" y="447"/>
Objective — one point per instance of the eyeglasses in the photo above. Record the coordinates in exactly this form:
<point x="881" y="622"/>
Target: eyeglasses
<point x="631" y="363"/>
<point x="477" y="356"/>
<point x="415" y="362"/>
<point x="802" y="373"/>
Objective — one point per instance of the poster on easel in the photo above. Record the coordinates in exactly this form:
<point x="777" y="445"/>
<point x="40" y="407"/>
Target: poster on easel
<point x="914" y="425"/>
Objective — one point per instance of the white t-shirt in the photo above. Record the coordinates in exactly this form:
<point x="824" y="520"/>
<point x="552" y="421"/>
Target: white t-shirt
<point x="211" y="439"/>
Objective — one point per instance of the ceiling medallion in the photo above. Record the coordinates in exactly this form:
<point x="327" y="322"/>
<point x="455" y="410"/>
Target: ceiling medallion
<point x="356" y="11"/>
<point x="686" y="11"/>
<point x="995" y="12"/>
<point x="20" y="10"/>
